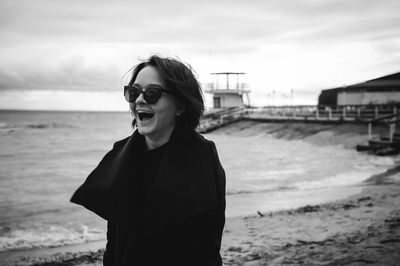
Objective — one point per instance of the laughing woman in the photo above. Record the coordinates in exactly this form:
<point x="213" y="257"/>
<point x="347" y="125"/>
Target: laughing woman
<point x="161" y="190"/>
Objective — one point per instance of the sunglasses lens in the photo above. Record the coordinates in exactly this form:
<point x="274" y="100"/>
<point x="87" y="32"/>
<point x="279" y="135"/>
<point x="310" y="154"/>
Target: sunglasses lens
<point x="152" y="95"/>
<point x="131" y="94"/>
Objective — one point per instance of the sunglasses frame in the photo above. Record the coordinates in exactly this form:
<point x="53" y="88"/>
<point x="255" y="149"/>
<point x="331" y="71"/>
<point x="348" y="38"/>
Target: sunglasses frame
<point x="145" y="96"/>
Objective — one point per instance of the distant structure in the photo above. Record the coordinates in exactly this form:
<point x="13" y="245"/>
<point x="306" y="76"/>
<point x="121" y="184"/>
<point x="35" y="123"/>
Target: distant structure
<point x="226" y="95"/>
<point x="379" y="91"/>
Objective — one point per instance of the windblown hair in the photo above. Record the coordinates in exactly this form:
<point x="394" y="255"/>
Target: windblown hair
<point x="180" y="79"/>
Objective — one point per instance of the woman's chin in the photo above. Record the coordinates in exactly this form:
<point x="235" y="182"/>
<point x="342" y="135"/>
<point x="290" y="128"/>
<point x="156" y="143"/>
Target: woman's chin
<point x="145" y="127"/>
<point x="144" y="130"/>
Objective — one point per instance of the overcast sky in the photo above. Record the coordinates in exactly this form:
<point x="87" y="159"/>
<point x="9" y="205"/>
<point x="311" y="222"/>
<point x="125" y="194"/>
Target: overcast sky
<point x="74" y="54"/>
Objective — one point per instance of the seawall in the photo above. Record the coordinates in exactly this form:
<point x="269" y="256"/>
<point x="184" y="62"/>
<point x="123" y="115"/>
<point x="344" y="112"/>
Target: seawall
<point x="347" y="134"/>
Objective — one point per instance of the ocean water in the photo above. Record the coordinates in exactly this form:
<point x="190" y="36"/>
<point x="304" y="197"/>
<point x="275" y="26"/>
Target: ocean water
<point x="45" y="156"/>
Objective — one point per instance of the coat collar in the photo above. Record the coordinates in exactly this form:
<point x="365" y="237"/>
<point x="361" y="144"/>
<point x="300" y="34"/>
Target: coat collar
<point x="184" y="186"/>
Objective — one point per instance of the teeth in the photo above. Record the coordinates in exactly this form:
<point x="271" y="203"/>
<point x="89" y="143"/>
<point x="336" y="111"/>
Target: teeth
<point x="143" y="115"/>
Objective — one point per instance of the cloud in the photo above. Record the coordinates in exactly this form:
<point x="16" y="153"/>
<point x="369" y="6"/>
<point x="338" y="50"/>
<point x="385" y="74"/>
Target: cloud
<point x="190" y="21"/>
<point x="66" y="75"/>
<point x="89" y="45"/>
<point x="63" y="100"/>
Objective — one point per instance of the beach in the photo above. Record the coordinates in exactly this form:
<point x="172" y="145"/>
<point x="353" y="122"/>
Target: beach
<point x="358" y="225"/>
<point x="363" y="229"/>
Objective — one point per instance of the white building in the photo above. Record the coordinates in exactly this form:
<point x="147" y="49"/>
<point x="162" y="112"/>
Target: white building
<point x="383" y="90"/>
<point x="226" y="95"/>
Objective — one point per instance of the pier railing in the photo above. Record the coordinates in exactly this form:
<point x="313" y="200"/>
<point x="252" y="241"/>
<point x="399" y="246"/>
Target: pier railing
<point x="311" y="113"/>
<point x="213" y="120"/>
<point x="323" y="113"/>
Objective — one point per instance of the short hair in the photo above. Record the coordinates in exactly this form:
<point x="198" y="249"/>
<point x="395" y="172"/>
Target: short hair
<point x="180" y="79"/>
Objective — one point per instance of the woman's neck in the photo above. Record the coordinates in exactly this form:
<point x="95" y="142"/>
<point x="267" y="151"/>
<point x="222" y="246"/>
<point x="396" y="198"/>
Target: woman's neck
<point x="153" y="142"/>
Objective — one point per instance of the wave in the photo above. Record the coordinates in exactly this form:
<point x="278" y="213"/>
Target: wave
<point x="342" y="179"/>
<point x="9" y="127"/>
<point x="259" y="190"/>
<point x="49" y="125"/>
<point x="53" y="236"/>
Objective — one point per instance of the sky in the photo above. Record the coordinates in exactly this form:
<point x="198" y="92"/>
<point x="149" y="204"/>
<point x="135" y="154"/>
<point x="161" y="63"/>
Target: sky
<point x="76" y="55"/>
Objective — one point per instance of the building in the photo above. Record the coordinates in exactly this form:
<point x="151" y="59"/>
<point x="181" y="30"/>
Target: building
<point x="383" y="90"/>
<point x="226" y="95"/>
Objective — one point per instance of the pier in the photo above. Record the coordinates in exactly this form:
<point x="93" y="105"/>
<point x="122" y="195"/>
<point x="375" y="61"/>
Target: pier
<point x="370" y="116"/>
<point x="298" y="113"/>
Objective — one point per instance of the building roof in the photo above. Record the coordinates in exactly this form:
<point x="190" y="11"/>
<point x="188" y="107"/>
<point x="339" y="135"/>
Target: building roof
<point x="386" y="83"/>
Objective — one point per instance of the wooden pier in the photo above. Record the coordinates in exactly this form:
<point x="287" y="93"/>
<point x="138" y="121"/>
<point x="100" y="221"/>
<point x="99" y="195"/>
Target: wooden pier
<point x="215" y="119"/>
<point x="383" y="144"/>
<point x="368" y="115"/>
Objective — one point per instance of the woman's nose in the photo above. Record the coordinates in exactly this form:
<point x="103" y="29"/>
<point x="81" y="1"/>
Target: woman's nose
<point x="140" y="99"/>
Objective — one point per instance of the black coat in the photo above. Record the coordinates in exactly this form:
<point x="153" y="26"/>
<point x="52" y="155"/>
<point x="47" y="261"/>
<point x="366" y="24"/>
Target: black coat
<point x="184" y="211"/>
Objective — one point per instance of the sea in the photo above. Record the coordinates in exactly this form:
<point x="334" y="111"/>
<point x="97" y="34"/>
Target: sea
<point x="45" y="156"/>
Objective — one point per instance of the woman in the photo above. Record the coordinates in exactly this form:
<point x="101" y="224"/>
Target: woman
<point x="161" y="190"/>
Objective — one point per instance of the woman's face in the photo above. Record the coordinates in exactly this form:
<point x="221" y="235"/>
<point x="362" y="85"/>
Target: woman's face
<point x="154" y="121"/>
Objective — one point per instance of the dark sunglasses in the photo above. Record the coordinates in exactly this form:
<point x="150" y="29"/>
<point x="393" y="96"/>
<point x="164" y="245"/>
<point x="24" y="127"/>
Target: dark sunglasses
<point x="151" y="95"/>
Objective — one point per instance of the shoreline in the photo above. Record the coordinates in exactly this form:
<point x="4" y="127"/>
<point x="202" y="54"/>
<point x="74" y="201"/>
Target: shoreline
<point x="361" y="229"/>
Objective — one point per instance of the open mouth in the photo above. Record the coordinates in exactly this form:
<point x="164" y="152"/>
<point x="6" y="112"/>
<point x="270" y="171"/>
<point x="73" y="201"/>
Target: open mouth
<point x="144" y="115"/>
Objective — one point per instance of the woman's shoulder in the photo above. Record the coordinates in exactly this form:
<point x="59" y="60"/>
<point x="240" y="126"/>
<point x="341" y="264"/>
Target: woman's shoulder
<point x="197" y="137"/>
<point x="120" y="143"/>
<point x="200" y="139"/>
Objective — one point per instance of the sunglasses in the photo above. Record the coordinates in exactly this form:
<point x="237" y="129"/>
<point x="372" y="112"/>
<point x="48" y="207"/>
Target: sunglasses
<point x="151" y="95"/>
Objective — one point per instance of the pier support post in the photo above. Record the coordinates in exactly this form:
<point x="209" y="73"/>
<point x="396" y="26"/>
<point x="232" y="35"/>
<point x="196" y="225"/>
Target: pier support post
<point x="369" y="130"/>
<point x="391" y="132"/>
<point x="344" y="112"/>
<point x="376" y="112"/>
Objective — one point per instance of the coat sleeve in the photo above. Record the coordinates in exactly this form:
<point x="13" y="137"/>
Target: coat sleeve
<point x="110" y="253"/>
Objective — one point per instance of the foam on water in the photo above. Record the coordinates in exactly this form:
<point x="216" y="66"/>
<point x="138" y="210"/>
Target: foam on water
<point x="48" y="237"/>
<point x="342" y="179"/>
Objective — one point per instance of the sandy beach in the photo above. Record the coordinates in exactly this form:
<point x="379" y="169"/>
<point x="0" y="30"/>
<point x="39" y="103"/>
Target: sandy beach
<point x="363" y="229"/>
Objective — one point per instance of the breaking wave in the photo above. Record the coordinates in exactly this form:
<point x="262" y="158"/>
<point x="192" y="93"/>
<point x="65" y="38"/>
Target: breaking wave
<point x="52" y="236"/>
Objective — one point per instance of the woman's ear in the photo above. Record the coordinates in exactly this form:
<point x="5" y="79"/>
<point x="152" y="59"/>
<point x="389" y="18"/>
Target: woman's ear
<point x="180" y="109"/>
